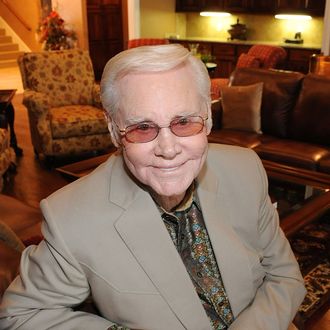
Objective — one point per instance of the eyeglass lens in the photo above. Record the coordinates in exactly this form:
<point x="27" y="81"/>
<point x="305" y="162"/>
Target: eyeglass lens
<point x="148" y="131"/>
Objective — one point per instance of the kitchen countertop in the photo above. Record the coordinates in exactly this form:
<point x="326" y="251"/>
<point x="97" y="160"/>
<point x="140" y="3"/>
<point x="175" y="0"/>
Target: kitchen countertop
<point x="249" y="42"/>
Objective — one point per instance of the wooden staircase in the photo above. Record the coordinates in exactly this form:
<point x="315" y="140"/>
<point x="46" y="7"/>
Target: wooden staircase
<point x="8" y="51"/>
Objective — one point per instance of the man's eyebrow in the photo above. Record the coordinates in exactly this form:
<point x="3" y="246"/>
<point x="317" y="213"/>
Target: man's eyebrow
<point x="136" y="120"/>
<point x="184" y="113"/>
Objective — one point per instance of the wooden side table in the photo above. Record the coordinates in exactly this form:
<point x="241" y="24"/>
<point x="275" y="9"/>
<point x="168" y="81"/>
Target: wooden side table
<point x="7" y="117"/>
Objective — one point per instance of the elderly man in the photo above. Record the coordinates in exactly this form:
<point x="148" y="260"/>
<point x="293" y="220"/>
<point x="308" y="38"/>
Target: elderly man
<point x="169" y="233"/>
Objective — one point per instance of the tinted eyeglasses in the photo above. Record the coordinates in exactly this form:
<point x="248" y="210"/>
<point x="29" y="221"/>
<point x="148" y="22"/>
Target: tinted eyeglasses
<point x="147" y="131"/>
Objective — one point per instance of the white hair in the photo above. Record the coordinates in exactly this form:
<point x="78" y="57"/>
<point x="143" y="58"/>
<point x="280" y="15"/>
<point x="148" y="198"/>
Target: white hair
<point x="151" y="59"/>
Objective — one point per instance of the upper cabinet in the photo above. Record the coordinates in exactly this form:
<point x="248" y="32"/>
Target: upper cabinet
<point x="188" y="5"/>
<point x="312" y="7"/>
<point x="236" y="5"/>
<point x="262" y="6"/>
<point x="213" y="5"/>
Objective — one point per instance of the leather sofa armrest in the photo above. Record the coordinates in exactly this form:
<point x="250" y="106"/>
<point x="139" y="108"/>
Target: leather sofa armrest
<point x="9" y="265"/>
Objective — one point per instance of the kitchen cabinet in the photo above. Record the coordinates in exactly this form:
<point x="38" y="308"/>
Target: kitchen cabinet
<point x="311" y="7"/>
<point x="214" y="5"/>
<point x="262" y="6"/>
<point x="226" y="55"/>
<point x="189" y="5"/>
<point x="236" y="5"/>
<point x="225" y="58"/>
<point x="298" y="59"/>
<point x="270" y="7"/>
<point x="315" y="7"/>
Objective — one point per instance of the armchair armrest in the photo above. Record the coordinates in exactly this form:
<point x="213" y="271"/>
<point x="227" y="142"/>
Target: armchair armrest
<point x="38" y="105"/>
<point x="97" y="96"/>
<point x="36" y="102"/>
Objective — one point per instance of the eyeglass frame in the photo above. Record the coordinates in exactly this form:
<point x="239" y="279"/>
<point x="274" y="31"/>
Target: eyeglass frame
<point x="123" y="132"/>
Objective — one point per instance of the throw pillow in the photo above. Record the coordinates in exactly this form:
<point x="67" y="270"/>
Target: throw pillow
<point x="241" y="107"/>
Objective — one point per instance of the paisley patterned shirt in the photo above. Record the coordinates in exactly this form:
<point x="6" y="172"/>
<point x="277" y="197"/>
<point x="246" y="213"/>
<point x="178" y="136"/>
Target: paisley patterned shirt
<point x="189" y="234"/>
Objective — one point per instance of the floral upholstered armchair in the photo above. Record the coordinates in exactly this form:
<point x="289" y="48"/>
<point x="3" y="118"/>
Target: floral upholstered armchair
<point x="62" y="98"/>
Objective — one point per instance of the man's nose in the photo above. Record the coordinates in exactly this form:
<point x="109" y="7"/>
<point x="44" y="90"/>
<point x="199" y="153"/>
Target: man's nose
<point x="167" y="143"/>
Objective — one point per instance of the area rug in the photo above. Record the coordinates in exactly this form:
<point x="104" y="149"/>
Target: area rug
<point x="311" y="246"/>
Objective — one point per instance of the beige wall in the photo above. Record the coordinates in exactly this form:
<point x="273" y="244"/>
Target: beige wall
<point x="74" y="14"/>
<point x="157" y="18"/>
<point x="260" y="28"/>
<point x="72" y="11"/>
<point x="29" y="14"/>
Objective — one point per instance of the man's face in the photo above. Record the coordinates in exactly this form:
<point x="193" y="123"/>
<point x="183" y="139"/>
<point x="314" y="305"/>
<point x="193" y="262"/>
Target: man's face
<point x="169" y="163"/>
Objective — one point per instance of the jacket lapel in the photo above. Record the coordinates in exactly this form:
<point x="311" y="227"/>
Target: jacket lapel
<point x="144" y="233"/>
<point x="229" y="251"/>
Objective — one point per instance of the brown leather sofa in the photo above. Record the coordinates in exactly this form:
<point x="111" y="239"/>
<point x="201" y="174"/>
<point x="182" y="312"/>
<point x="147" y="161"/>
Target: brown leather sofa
<point x="20" y="226"/>
<point x="295" y="118"/>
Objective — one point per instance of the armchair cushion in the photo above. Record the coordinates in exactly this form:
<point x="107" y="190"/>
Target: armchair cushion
<point x="76" y="120"/>
<point x="66" y="76"/>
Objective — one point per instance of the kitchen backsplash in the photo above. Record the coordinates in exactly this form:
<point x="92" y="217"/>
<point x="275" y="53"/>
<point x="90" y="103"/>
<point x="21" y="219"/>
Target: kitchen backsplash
<point x="259" y="27"/>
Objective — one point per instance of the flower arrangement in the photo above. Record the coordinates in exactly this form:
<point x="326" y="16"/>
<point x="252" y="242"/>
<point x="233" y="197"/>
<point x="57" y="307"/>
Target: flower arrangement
<point x="53" y="33"/>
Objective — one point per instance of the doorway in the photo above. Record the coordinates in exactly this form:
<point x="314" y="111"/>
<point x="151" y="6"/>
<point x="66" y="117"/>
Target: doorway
<point x="105" y="19"/>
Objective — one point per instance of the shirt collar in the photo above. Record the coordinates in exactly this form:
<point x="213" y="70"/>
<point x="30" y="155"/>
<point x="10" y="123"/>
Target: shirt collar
<point x="190" y="198"/>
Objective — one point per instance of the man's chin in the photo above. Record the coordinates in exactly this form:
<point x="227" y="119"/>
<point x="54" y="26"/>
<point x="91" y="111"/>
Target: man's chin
<point x="171" y="189"/>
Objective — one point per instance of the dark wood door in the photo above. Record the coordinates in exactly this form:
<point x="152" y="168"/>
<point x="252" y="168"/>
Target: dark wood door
<point x="105" y="32"/>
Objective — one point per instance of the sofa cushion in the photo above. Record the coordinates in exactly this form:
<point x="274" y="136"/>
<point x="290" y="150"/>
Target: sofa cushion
<point x="239" y="138"/>
<point x="293" y="153"/>
<point x="310" y="120"/>
<point x="241" y="107"/>
<point x="280" y="92"/>
<point x="325" y="165"/>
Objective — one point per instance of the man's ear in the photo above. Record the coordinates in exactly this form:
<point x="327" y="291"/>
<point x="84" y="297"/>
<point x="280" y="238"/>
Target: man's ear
<point x="113" y="131"/>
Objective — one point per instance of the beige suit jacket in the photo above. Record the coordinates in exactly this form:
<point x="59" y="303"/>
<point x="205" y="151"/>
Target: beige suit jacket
<point x="104" y="236"/>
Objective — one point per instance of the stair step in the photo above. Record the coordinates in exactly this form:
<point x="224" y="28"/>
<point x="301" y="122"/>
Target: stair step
<point x="2" y="32"/>
<point x="12" y="55"/>
<point x="7" y="47"/>
<point x="5" y="39"/>
<point x="8" y="63"/>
